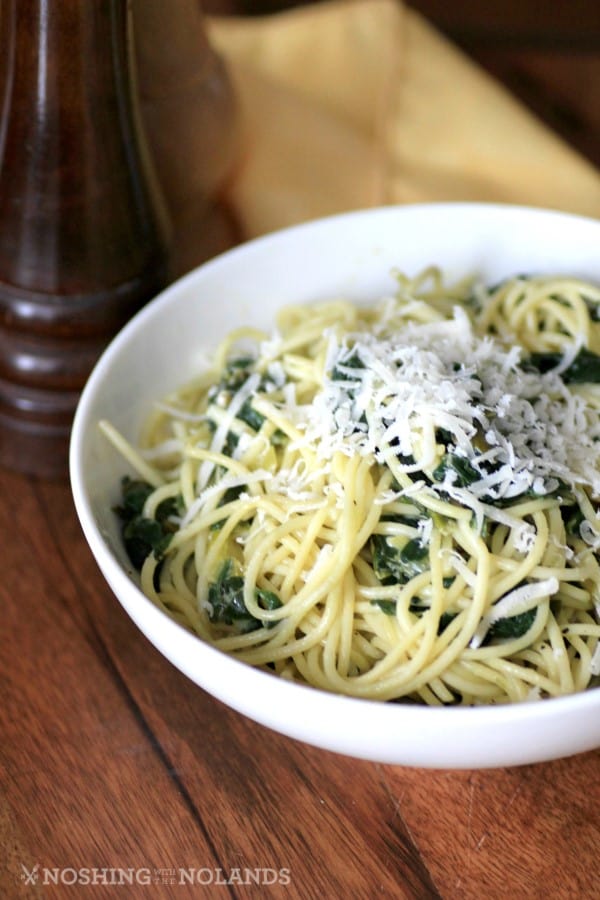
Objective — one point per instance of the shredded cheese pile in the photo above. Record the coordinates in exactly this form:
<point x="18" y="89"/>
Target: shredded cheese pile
<point x="534" y="430"/>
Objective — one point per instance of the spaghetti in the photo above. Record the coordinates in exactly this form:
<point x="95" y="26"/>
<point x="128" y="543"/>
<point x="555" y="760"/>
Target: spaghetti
<point x="396" y="501"/>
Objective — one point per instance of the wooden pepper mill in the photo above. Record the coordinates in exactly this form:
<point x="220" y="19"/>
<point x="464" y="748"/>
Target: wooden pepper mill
<point x="82" y="238"/>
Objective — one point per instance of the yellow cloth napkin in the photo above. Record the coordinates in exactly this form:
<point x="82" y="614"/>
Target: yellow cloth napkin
<point x="356" y="103"/>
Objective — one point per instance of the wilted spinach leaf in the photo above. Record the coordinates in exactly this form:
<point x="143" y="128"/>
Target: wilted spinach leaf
<point x="395" y="565"/>
<point x="585" y="368"/>
<point x="226" y="598"/>
<point x="512" y="626"/>
<point x="143" y="536"/>
<point x="464" y="473"/>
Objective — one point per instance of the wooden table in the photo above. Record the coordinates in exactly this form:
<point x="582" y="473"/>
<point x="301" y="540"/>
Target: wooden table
<point x="116" y="769"/>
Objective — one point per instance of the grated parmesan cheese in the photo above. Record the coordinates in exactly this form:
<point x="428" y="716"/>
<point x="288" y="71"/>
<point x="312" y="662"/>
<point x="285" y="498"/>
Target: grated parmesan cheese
<point x="521" y="431"/>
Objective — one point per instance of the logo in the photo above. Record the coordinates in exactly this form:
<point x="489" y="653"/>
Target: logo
<point x="121" y="876"/>
<point x="30" y="876"/>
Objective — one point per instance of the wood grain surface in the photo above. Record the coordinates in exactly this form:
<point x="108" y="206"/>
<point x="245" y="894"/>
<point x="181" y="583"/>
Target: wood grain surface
<point x="113" y="763"/>
<point x="111" y="759"/>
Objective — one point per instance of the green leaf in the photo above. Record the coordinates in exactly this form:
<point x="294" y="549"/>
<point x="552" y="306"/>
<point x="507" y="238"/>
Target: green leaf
<point x="226" y="598"/>
<point x="279" y="438"/>
<point x="231" y="494"/>
<point x="249" y="415"/>
<point x="134" y="494"/>
<point x="235" y="375"/>
<point x="585" y="368"/>
<point x="351" y="362"/>
<point x="267" y="600"/>
<point x="395" y="564"/>
<point x="465" y="474"/>
<point x="170" y="506"/>
<point x="445" y="620"/>
<point x="142" y="537"/>
<point x="513" y="626"/>
<point x="231" y="439"/>
<point x="387" y="606"/>
<point x="572" y="517"/>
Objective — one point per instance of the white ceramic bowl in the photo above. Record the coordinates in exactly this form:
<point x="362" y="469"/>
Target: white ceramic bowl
<point x="351" y="255"/>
